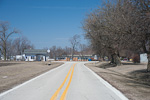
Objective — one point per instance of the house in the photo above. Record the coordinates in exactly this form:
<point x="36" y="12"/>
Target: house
<point x="20" y="57"/>
<point x="35" y="54"/>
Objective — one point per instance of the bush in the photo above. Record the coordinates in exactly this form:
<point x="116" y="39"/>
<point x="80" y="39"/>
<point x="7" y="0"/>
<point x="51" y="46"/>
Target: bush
<point x="136" y="58"/>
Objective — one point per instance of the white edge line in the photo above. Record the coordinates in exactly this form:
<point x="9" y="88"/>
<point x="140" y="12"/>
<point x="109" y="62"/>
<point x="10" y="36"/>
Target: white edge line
<point x="26" y="82"/>
<point x="117" y="92"/>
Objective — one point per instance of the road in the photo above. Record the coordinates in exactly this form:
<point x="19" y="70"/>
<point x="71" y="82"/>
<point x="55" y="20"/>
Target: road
<point x="70" y="81"/>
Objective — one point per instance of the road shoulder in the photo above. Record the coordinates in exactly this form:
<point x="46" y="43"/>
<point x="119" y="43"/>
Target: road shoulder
<point x="15" y="73"/>
<point x="120" y="78"/>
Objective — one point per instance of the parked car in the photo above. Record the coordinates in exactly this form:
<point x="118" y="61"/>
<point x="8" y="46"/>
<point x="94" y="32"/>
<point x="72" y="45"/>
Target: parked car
<point x="125" y="59"/>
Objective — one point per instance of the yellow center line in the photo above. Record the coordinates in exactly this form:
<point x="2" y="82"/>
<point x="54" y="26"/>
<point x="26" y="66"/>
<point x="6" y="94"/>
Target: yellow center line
<point x="58" y="90"/>
<point x="66" y="89"/>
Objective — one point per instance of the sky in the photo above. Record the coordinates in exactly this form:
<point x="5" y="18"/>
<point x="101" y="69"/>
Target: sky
<point x="47" y="22"/>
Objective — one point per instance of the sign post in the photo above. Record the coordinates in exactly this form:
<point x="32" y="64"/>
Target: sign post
<point x="95" y="58"/>
<point x="48" y="51"/>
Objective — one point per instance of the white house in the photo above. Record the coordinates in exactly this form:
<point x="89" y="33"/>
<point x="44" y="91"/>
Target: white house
<point x="35" y="55"/>
<point x="19" y="57"/>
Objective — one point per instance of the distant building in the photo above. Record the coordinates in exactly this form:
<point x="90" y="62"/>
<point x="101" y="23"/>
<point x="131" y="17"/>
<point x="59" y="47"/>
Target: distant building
<point x="19" y="57"/>
<point x="143" y="58"/>
<point x="35" y="55"/>
<point x="76" y="58"/>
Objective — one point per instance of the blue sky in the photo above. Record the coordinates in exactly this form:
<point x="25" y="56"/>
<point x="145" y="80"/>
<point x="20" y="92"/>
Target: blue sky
<point x="47" y="22"/>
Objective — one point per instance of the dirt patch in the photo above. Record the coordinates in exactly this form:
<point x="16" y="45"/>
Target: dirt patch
<point x="131" y="79"/>
<point x="2" y="64"/>
<point x="14" y="73"/>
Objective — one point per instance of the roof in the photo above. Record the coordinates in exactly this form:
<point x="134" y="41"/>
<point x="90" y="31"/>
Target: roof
<point x="35" y="51"/>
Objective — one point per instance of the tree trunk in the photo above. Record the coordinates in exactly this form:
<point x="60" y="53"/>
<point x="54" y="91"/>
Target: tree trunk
<point x="72" y="56"/>
<point x="112" y="59"/>
<point x="115" y="59"/>
<point x="82" y="58"/>
<point x="5" y="51"/>
<point x="148" y="65"/>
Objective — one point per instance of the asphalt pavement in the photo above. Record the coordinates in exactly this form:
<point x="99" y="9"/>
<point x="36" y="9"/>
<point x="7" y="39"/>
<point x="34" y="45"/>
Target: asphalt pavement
<point x="70" y="81"/>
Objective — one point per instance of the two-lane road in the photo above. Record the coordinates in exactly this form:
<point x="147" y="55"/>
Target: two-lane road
<point x="71" y="81"/>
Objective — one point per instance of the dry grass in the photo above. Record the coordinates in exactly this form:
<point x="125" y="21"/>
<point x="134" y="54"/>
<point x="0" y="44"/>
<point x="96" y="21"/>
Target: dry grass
<point x="14" y="73"/>
<point x="132" y="79"/>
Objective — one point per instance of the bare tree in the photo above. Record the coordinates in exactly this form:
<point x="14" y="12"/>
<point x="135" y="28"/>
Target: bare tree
<point x="5" y="33"/>
<point x="60" y="52"/>
<point x="53" y="52"/>
<point x="10" y="49"/>
<point x="20" y="44"/>
<point x="74" y="41"/>
<point x="109" y="28"/>
<point x="83" y="49"/>
<point x="100" y="33"/>
<point x="143" y="27"/>
<point x="124" y="24"/>
<point x="67" y="50"/>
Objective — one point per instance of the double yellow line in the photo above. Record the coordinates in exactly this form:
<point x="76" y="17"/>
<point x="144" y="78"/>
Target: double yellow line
<point x="66" y="89"/>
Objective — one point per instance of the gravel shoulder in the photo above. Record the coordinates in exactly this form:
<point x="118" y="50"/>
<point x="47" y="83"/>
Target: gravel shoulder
<point x="15" y="73"/>
<point x="131" y="79"/>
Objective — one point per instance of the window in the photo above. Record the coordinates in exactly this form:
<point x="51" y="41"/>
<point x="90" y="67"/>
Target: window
<point x="32" y="57"/>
